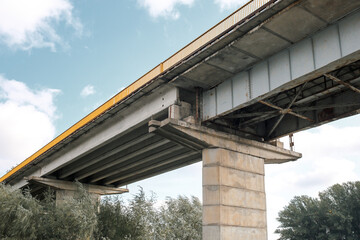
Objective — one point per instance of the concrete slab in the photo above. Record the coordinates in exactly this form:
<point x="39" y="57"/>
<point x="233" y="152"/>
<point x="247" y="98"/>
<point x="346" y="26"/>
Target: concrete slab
<point x="331" y="10"/>
<point x="295" y="24"/>
<point x="261" y="43"/>
<point x="231" y="59"/>
<point x="207" y="74"/>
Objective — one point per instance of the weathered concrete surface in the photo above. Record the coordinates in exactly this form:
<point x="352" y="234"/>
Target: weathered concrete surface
<point x="65" y="189"/>
<point x="199" y="138"/>
<point x="62" y="196"/>
<point x="234" y="203"/>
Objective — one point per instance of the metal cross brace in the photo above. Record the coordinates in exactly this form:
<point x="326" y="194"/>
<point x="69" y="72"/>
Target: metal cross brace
<point x="335" y="79"/>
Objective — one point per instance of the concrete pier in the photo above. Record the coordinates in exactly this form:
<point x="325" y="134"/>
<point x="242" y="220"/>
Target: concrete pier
<point x="234" y="203"/>
<point x="62" y="196"/>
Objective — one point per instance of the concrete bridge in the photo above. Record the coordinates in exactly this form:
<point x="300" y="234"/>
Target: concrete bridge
<point x="272" y="68"/>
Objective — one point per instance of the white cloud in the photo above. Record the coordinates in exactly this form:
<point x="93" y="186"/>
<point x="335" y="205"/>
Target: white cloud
<point x="31" y="24"/>
<point x="164" y="8"/>
<point x="87" y="91"/>
<point x="229" y="4"/>
<point x="329" y="157"/>
<point x="26" y="121"/>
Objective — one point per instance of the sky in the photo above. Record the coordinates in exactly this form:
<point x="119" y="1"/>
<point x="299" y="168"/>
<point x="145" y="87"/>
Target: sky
<point x="60" y="59"/>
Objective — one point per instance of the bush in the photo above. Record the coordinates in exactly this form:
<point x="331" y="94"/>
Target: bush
<point x="334" y="215"/>
<point x="25" y="217"/>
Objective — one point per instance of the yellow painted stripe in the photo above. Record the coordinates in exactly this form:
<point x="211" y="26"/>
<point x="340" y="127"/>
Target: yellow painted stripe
<point x="199" y="42"/>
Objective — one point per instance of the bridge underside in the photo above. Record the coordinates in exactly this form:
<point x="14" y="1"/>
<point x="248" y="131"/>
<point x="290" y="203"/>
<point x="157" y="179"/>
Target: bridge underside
<point x="328" y="97"/>
<point x="250" y="82"/>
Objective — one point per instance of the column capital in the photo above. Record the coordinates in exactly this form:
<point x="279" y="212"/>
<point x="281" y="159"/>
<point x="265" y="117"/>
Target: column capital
<point x="200" y="137"/>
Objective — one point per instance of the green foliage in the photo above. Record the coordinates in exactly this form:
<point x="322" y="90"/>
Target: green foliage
<point x="24" y="217"/>
<point x="78" y="218"/>
<point x="18" y="213"/>
<point x="75" y="218"/>
<point x="114" y="220"/>
<point x="134" y="220"/>
<point x="334" y="215"/>
<point x="180" y="218"/>
<point x="143" y="213"/>
<point x="177" y="219"/>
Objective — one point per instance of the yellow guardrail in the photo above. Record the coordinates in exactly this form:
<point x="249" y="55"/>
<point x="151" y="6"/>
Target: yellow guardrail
<point x="185" y="52"/>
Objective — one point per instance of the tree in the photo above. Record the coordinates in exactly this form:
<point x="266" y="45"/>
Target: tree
<point x="334" y="215"/>
<point x="180" y="218"/>
<point x="25" y="217"/>
<point x="18" y="212"/>
<point x="135" y="220"/>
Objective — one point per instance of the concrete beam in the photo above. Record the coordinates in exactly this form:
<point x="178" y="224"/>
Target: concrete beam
<point x="72" y="186"/>
<point x="199" y="138"/>
<point x="125" y="121"/>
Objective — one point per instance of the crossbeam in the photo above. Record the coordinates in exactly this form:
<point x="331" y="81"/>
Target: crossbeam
<point x="348" y="85"/>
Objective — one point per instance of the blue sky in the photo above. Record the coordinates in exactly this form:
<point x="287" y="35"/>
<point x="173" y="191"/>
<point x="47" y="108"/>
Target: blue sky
<point x="59" y="59"/>
<point x="107" y="45"/>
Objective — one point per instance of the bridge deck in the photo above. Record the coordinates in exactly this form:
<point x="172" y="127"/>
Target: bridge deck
<point x="112" y="145"/>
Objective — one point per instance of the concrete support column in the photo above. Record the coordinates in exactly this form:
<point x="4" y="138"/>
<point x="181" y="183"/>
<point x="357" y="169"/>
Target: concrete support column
<point x="62" y="195"/>
<point x="234" y="202"/>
